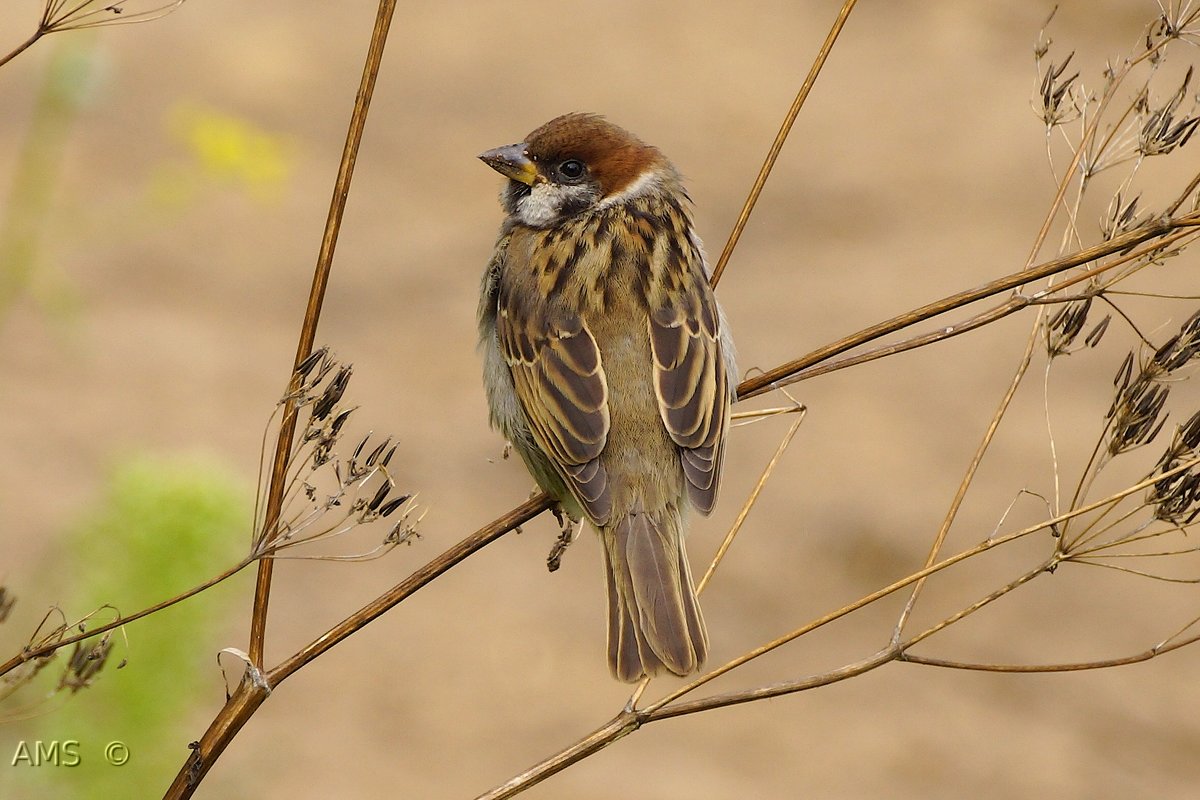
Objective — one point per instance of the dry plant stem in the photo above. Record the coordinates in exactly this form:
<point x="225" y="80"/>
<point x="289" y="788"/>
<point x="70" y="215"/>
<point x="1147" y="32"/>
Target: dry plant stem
<point x="251" y="694"/>
<point x="238" y="709"/>
<point x="968" y="478"/>
<point x="749" y="504"/>
<point x="630" y="720"/>
<point x="621" y="725"/>
<point x="1076" y="666"/>
<point x="256" y="686"/>
<point x="39" y="651"/>
<point x="781" y="137"/>
<point x="472" y="544"/>
<point x="797" y="369"/>
<point x="312" y="315"/>
<point x="1015" y="303"/>
<point x="22" y="47"/>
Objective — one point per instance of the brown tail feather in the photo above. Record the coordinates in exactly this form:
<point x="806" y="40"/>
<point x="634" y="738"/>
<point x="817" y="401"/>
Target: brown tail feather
<point x="654" y="620"/>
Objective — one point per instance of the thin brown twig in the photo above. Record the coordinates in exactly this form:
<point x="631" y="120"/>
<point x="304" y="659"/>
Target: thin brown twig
<point x="791" y="371"/>
<point x="749" y="504"/>
<point x="312" y="315"/>
<point x="1075" y="666"/>
<point x="251" y="693"/>
<point x="443" y="562"/>
<point x="22" y="47"/>
<point x="810" y="80"/>
<point x="38" y="651"/>
<point x="965" y="484"/>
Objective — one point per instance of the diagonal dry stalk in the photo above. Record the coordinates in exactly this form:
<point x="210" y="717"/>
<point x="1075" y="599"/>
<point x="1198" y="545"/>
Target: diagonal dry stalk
<point x="764" y="172"/>
<point x="631" y="719"/>
<point x="251" y="693"/>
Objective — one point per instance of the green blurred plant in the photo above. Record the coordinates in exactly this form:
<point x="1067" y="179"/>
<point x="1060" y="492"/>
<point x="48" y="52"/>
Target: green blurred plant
<point x="161" y="525"/>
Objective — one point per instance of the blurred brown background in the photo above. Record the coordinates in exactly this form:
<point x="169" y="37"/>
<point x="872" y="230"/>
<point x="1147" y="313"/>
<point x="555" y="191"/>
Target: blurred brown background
<point x="916" y="169"/>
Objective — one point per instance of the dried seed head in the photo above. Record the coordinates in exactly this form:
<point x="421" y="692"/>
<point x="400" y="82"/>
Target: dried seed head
<point x="1181" y="348"/>
<point x="1136" y="413"/>
<point x="378" y="451"/>
<point x="1065" y="325"/>
<point x="1122" y="217"/>
<point x="1176" y="498"/>
<point x="1097" y="333"/>
<point x="332" y="394"/>
<point x="1055" y="92"/>
<point x="335" y="427"/>
<point x="307" y="365"/>
<point x="380" y="495"/>
<point x="85" y="664"/>
<point x="327" y="496"/>
<point x="1162" y="130"/>
<point x="388" y="508"/>
<point x="388" y="457"/>
<point x="62" y="16"/>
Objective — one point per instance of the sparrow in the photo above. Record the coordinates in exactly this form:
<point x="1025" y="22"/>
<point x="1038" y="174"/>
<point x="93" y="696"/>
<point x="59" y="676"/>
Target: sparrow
<point x="608" y="364"/>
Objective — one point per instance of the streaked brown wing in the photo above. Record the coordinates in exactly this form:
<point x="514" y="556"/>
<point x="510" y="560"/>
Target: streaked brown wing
<point x="560" y="384"/>
<point x="691" y="384"/>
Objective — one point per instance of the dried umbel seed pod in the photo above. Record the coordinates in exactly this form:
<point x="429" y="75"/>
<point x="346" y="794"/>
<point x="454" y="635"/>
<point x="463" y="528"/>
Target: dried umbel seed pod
<point x="85" y="664"/>
<point x="1097" y="333"/>
<point x="73" y="15"/>
<point x="1137" y="414"/>
<point x="1176" y="498"/>
<point x="1122" y="217"/>
<point x="1181" y="348"/>
<point x="1162" y="130"/>
<point x="1137" y="411"/>
<point x="332" y="394"/>
<point x="1065" y="325"/>
<point x="1055" y="91"/>
<point x="307" y="365"/>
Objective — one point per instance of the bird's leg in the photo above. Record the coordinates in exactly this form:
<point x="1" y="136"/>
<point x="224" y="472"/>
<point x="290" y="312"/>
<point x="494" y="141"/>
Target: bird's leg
<point x="568" y="530"/>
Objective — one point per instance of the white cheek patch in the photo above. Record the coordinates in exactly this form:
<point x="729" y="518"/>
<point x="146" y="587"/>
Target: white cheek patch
<point x="545" y="201"/>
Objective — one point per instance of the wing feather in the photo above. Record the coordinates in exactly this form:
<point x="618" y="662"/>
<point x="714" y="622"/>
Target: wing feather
<point x="690" y="379"/>
<point x="561" y="386"/>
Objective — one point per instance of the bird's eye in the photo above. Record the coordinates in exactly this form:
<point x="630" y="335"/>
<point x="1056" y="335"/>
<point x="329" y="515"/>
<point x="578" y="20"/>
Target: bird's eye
<point x="572" y="169"/>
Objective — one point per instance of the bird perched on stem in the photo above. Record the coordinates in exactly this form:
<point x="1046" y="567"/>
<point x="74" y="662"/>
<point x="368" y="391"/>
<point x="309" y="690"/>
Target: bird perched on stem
<point x="608" y="365"/>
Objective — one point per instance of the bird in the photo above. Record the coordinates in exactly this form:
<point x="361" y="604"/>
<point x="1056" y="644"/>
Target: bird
<point x="608" y="365"/>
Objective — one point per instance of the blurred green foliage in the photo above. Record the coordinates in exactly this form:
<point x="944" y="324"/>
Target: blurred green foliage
<point x="162" y="527"/>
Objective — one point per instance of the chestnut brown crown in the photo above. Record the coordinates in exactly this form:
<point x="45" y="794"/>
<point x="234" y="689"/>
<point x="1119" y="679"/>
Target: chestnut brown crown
<point x="574" y="163"/>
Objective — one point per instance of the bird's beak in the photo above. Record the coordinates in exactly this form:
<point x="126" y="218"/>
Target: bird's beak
<point x="511" y="161"/>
